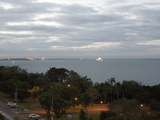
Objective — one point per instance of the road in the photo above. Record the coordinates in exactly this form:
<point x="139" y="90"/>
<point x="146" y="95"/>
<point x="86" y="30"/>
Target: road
<point x="76" y="109"/>
<point x="9" y="113"/>
<point x="7" y="116"/>
<point x="6" y="111"/>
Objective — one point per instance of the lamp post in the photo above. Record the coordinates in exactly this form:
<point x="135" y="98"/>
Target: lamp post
<point x="142" y="110"/>
<point x="52" y="107"/>
<point x="16" y="97"/>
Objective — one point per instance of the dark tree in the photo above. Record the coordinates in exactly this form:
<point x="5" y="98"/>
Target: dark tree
<point x="57" y="74"/>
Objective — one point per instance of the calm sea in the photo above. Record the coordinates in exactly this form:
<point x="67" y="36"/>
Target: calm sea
<point x="145" y="71"/>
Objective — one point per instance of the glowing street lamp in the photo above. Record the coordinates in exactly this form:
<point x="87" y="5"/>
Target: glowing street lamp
<point x="101" y="102"/>
<point x="75" y="98"/>
<point x="68" y="85"/>
<point x="141" y="105"/>
<point x="63" y="81"/>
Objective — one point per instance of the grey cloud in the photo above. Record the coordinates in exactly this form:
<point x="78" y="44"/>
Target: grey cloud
<point x="125" y="22"/>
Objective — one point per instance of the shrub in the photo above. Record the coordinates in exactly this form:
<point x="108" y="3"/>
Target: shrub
<point x="83" y="115"/>
<point x="2" y="117"/>
<point x="106" y="115"/>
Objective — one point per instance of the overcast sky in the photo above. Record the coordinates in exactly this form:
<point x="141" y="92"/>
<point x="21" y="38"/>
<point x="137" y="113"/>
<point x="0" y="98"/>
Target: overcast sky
<point x="80" y="28"/>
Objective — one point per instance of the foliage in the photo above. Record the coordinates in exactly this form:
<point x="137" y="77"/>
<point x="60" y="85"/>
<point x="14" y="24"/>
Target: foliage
<point x="60" y="88"/>
<point x="106" y="115"/>
<point x="83" y="115"/>
<point x="2" y="117"/>
<point x="56" y="99"/>
<point x="57" y="74"/>
<point x="131" y="110"/>
<point x="12" y="78"/>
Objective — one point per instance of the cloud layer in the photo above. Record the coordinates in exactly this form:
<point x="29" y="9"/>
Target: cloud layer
<point x="80" y="28"/>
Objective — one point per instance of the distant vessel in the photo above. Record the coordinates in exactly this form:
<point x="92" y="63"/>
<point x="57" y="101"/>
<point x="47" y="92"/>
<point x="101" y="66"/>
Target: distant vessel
<point x="43" y="58"/>
<point x="99" y="59"/>
<point x="30" y="58"/>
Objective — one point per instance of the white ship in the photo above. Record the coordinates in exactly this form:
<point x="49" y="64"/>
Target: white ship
<point x="42" y="58"/>
<point x="99" y="59"/>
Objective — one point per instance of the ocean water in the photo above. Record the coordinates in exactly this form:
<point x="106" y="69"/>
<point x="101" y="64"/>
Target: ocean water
<point x="145" y="71"/>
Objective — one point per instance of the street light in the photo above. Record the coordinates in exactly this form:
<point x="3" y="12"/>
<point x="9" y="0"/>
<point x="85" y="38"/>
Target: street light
<point x="75" y="98"/>
<point x="16" y="97"/>
<point x="141" y="105"/>
<point x="101" y="102"/>
<point x="68" y="85"/>
<point x="64" y="81"/>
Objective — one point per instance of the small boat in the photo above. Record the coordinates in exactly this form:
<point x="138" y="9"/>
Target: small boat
<point x="43" y="58"/>
<point x="30" y="58"/>
<point x="99" y="59"/>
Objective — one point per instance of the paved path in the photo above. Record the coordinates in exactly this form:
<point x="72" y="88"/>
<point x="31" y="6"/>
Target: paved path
<point x="8" y="117"/>
<point x="6" y="111"/>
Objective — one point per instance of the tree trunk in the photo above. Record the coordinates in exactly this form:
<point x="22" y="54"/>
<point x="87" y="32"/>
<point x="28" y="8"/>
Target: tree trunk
<point x="49" y="115"/>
